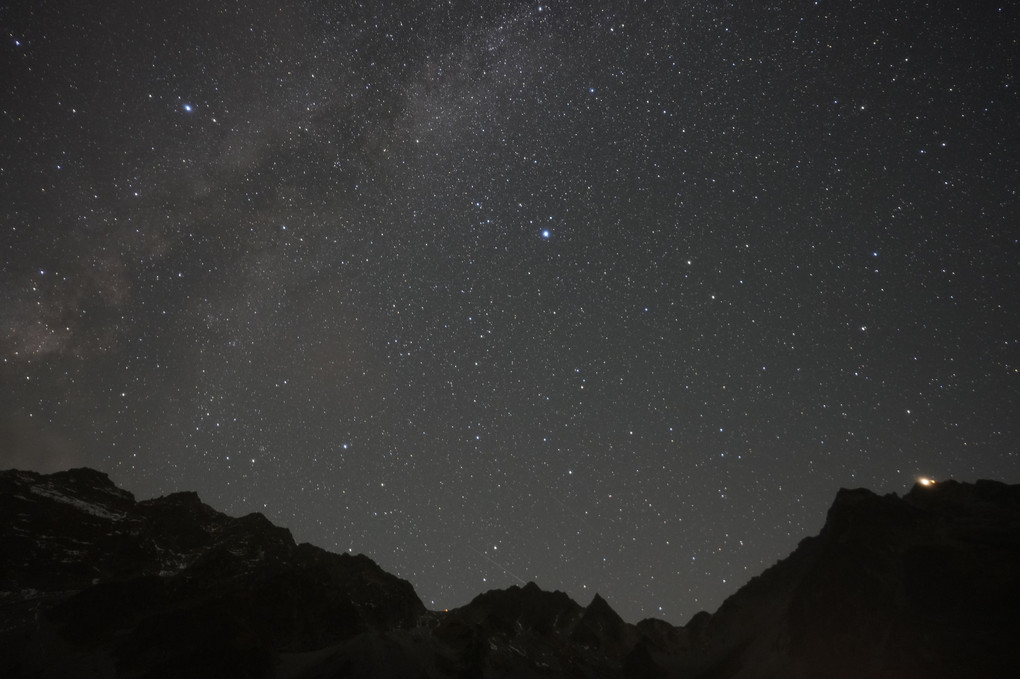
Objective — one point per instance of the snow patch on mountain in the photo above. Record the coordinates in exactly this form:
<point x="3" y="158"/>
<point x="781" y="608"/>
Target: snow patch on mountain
<point x="79" y="504"/>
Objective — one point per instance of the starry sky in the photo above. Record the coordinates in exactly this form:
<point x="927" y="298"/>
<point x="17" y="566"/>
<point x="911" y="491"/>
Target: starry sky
<point x="611" y="296"/>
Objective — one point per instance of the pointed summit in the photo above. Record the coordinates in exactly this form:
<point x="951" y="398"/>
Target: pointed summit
<point x="601" y="627"/>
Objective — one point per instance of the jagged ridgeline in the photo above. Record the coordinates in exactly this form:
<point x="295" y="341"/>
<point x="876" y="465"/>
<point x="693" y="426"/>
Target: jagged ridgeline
<point x="95" y="584"/>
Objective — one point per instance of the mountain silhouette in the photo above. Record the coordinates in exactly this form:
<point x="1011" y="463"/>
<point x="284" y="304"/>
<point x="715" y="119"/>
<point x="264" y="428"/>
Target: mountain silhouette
<point x="95" y="584"/>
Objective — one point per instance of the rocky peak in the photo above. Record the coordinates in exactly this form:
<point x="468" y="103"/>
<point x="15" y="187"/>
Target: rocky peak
<point x="516" y="608"/>
<point x="170" y="576"/>
<point x="95" y="584"/>
<point x="891" y="587"/>
<point x="600" y="627"/>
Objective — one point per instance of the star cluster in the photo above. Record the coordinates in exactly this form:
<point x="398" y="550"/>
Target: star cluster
<point x="610" y="296"/>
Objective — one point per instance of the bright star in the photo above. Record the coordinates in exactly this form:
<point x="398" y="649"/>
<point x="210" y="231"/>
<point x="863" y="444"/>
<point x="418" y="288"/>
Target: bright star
<point x="546" y="233"/>
<point x="187" y="108"/>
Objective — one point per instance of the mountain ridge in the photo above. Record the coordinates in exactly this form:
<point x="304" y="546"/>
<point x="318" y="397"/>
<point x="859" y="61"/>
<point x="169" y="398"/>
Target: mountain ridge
<point x="94" y="583"/>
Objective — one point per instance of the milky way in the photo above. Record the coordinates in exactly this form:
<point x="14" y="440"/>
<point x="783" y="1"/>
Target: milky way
<point x="610" y="296"/>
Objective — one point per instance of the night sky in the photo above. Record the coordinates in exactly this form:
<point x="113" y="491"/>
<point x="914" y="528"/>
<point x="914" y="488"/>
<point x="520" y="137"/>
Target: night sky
<point x="611" y="296"/>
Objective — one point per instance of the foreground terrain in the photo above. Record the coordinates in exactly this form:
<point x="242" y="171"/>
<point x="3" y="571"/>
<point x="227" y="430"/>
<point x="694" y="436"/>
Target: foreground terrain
<point x="96" y="584"/>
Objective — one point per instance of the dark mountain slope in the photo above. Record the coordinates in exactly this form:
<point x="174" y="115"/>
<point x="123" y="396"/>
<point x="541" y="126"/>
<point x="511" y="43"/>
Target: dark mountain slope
<point x="92" y="580"/>
<point x="926" y="586"/>
<point x="95" y="584"/>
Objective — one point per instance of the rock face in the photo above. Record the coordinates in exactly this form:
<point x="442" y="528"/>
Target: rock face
<point x="927" y="585"/>
<point x="95" y="584"/>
